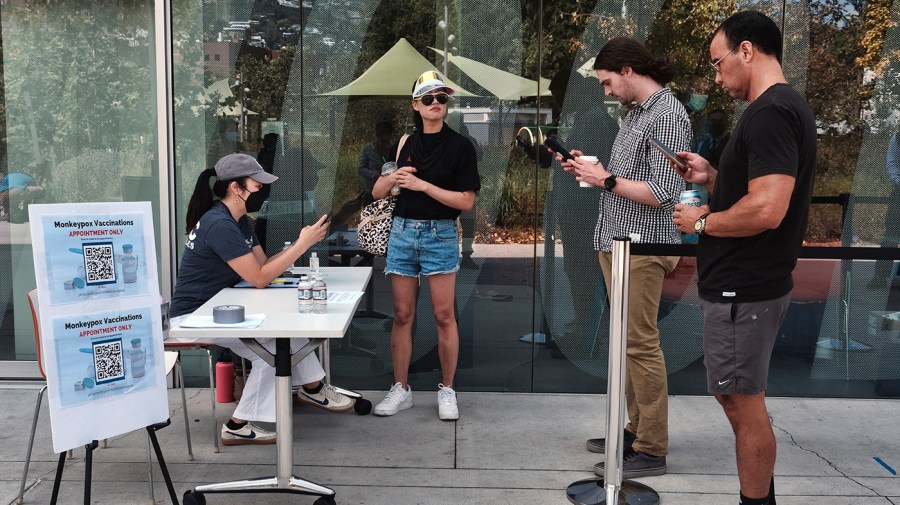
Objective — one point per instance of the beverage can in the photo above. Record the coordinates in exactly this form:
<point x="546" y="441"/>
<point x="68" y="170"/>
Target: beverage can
<point x="690" y="197"/>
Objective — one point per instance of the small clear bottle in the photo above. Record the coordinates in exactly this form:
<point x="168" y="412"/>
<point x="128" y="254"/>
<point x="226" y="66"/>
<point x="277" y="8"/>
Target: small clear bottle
<point x="319" y="296"/>
<point x="129" y="264"/>
<point x="387" y="169"/>
<point x="285" y="247"/>
<point x="138" y="358"/>
<point x="313" y="262"/>
<point x="304" y="295"/>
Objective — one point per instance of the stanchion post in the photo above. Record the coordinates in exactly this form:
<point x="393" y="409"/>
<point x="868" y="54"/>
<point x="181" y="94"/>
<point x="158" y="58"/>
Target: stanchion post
<point x="612" y="490"/>
<point x="615" y="385"/>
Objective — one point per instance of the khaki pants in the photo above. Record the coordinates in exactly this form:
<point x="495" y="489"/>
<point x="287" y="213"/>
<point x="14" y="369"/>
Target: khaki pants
<point x="646" y="387"/>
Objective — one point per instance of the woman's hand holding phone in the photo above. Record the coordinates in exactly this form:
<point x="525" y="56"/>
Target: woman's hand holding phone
<point x="315" y="232"/>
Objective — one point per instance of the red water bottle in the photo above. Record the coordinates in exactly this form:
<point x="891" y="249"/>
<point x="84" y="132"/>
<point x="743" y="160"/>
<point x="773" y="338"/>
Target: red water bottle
<point x="225" y="379"/>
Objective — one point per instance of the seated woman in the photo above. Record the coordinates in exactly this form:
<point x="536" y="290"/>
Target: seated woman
<point x="221" y="249"/>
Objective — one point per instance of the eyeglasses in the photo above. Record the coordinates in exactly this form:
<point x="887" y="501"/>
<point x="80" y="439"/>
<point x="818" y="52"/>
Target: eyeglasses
<point x="441" y="98"/>
<point x="715" y="64"/>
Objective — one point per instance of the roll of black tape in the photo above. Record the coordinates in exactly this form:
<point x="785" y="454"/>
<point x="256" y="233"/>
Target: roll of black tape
<point x="228" y="314"/>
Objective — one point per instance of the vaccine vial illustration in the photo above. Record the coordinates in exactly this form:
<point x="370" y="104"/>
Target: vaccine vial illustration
<point x="138" y="358"/>
<point x="129" y="264"/>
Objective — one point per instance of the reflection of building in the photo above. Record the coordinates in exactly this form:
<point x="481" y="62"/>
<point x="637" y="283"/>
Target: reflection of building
<point x="220" y="57"/>
<point x="493" y="126"/>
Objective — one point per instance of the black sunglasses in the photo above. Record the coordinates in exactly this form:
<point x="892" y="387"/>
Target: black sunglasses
<point x="442" y="98"/>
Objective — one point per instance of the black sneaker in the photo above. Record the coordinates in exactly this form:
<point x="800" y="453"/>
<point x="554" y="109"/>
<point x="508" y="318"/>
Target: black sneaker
<point x="598" y="445"/>
<point x="637" y="464"/>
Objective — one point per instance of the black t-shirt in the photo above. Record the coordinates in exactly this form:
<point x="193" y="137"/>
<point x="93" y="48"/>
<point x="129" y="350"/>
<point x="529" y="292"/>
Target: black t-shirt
<point x="776" y="135"/>
<point x="216" y="240"/>
<point x="446" y="159"/>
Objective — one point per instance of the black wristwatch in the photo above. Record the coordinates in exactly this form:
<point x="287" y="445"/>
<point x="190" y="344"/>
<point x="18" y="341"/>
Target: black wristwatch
<point x="610" y="182"/>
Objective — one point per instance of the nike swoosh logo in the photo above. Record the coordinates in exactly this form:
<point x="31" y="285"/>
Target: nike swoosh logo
<point x="251" y="435"/>
<point x="726" y="381"/>
<point x="322" y="403"/>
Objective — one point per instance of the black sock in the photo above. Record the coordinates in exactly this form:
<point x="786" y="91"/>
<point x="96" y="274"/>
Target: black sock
<point x="314" y="390"/>
<point x="754" y="501"/>
<point x="772" y="491"/>
<point x="235" y="426"/>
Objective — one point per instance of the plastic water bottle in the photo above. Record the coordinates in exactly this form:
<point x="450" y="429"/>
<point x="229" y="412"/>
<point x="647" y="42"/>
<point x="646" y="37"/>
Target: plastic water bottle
<point x="304" y="295"/>
<point x="314" y="263"/>
<point x="387" y="169"/>
<point x="287" y="245"/>
<point x="319" y="296"/>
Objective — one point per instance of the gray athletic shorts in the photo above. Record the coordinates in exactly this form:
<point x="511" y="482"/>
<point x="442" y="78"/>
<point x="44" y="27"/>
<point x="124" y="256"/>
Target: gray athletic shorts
<point x="737" y="343"/>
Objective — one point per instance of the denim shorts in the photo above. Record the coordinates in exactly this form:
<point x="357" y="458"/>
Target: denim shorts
<point x="422" y="247"/>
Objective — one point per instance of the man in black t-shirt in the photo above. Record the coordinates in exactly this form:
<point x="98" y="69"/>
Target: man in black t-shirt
<point x="750" y="234"/>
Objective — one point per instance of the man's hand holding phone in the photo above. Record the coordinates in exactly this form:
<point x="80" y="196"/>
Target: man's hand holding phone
<point x="696" y="169"/>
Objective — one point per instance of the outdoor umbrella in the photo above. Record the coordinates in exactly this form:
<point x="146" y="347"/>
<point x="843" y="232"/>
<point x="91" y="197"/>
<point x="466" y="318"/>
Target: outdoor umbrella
<point x="393" y="75"/>
<point x="502" y="84"/>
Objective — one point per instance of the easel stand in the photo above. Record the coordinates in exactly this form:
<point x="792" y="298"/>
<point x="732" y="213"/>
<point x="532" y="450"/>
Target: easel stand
<point x="614" y="491"/>
<point x="88" y="460"/>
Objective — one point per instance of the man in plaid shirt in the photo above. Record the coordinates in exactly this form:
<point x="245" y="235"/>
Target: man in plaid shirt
<point x="641" y="191"/>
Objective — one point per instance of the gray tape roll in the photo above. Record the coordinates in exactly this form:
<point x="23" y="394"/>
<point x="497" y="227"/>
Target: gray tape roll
<point x="228" y="314"/>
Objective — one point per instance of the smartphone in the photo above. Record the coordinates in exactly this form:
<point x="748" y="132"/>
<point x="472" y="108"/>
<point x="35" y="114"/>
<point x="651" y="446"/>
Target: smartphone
<point x="558" y="148"/>
<point x="668" y="153"/>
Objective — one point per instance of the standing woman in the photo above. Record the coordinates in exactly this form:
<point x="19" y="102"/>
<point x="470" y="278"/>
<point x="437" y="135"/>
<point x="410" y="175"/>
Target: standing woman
<point x="438" y="177"/>
<point x="220" y="250"/>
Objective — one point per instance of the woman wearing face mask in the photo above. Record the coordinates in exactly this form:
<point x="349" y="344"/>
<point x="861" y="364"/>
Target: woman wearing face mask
<point x="220" y="250"/>
<point x="438" y="177"/>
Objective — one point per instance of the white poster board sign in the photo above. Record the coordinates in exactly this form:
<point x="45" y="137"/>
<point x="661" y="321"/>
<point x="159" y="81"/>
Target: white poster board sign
<point x="100" y="321"/>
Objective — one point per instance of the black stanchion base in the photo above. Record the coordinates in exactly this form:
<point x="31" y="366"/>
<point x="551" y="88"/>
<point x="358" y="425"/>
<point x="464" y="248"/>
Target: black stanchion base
<point x="593" y="492"/>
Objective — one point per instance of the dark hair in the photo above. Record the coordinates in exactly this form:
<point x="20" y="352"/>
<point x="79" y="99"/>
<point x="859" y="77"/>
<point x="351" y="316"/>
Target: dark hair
<point x="418" y="121"/>
<point x="384" y="127"/>
<point x="204" y="196"/>
<point x="622" y="52"/>
<point x="755" y="27"/>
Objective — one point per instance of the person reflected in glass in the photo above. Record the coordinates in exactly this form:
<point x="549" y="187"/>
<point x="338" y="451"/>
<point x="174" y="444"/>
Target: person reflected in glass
<point x="373" y="156"/>
<point x="574" y="210"/>
<point x="220" y="250"/>
<point x="891" y="238"/>
<point x="712" y="144"/>
<point x="438" y="179"/>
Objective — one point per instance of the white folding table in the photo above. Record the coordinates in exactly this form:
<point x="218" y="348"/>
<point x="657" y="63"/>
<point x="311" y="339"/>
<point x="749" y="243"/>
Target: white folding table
<point x="282" y="322"/>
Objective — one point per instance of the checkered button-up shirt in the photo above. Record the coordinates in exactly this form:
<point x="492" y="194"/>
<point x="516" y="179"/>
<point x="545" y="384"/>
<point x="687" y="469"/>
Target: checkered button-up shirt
<point x="662" y="117"/>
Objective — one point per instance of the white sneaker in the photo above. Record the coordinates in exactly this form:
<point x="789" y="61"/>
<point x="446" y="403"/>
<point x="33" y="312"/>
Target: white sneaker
<point x="447" y="408"/>
<point x="396" y="400"/>
<point x="247" y="434"/>
<point x="327" y="399"/>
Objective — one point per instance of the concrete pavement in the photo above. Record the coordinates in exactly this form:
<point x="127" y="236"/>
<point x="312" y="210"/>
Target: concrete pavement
<point x="506" y="448"/>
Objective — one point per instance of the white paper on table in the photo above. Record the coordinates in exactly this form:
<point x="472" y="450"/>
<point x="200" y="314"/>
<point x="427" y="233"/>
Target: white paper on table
<point x="344" y="296"/>
<point x="250" y="321"/>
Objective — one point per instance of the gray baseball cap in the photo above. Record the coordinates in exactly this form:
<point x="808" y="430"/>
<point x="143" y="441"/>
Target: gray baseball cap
<point x="237" y="165"/>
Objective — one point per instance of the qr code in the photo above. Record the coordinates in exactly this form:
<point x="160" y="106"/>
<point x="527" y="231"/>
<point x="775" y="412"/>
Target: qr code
<point x="99" y="263"/>
<point x="109" y="361"/>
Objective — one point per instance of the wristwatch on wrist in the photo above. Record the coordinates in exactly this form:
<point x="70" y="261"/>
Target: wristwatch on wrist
<point x="610" y="182"/>
<point x="700" y="224"/>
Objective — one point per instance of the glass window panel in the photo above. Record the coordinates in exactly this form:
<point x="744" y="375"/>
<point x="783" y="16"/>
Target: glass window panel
<point x="78" y="113"/>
